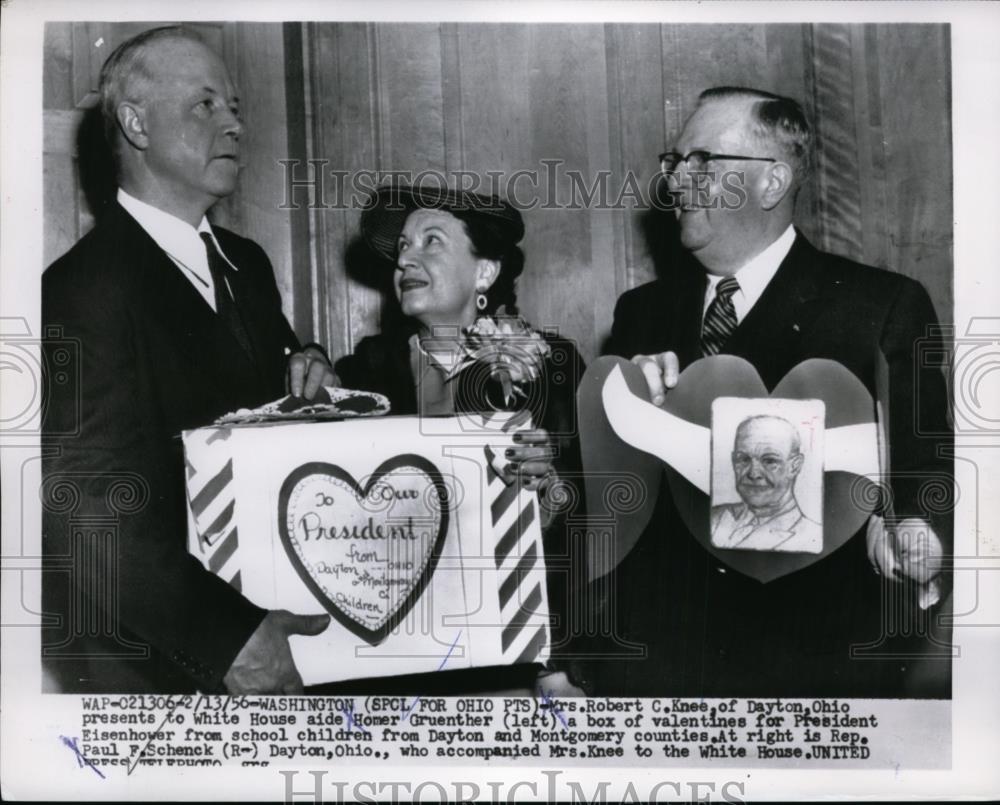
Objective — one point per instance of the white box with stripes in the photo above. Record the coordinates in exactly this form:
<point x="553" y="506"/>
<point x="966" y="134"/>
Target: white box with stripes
<point x="423" y="553"/>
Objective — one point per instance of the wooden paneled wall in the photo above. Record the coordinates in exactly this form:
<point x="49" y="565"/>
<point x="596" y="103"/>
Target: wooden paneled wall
<point x="363" y="97"/>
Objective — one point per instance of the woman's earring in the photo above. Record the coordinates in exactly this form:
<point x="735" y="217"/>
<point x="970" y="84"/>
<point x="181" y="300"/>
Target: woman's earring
<point x="481" y="301"/>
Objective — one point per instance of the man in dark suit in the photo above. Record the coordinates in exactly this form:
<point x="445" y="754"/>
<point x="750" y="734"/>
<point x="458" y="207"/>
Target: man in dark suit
<point x="176" y="322"/>
<point x="750" y="285"/>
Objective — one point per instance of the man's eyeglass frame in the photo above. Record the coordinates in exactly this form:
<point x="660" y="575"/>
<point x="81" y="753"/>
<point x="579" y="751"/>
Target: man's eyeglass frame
<point x="669" y="160"/>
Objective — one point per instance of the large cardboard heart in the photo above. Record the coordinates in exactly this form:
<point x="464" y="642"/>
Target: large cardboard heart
<point x="365" y="553"/>
<point x="621" y="483"/>
<point x="848" y="499"/>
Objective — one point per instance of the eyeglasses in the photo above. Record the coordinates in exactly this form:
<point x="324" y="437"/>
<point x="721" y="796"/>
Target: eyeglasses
<point x="697" y="160"/>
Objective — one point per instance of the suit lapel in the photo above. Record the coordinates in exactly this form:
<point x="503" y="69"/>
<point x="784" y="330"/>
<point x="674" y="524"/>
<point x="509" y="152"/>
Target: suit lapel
<point x="178" y="307"/>
<point x="687" y="304"/>
<point x="770" y="335"/>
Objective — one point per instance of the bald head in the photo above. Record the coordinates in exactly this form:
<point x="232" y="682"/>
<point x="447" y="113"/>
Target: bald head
<point x="774" y="430"/>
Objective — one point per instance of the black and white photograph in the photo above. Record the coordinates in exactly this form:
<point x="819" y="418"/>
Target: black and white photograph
<point x="308" y="314"/>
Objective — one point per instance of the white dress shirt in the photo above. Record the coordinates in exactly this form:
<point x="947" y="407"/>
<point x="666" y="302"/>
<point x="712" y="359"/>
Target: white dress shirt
<point x="754" y="276"/>
<point x="181" y="241"/>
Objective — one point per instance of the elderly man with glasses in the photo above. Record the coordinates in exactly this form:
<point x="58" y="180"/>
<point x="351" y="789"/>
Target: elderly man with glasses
<point x="749" y="284"/>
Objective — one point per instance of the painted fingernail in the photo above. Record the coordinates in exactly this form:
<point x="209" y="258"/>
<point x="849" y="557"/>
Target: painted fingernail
<point x="509" y="452"/>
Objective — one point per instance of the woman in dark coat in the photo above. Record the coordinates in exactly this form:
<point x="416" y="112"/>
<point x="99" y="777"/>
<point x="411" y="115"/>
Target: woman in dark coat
<point x="455" y="264"/>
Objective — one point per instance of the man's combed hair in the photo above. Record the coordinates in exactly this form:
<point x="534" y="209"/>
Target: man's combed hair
<point x="124" y="74"/>
<point x="778" y="119"/>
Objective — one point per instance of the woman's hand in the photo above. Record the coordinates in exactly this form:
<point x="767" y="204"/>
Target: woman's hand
<point x="531" y="458"/>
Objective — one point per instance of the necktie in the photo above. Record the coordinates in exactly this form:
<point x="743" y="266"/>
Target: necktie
<point x="720" y="318"/>
<point x="225" y="305"/>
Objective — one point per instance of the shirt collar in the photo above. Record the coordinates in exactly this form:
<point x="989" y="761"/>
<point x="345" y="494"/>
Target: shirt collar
<point x="177" y="238"/>
<point x="444" y="360"/>
<point x="755" y="275"/>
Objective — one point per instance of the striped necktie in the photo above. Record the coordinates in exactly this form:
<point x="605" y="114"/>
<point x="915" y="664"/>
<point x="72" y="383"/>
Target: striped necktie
<point x="225" y="305"/>
<point x="720" y="318"/>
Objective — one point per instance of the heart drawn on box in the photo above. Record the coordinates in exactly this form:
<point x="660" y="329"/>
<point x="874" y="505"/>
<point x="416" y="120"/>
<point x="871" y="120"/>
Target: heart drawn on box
<point x="366" y="553"/>
<point x="848" y="499"/>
